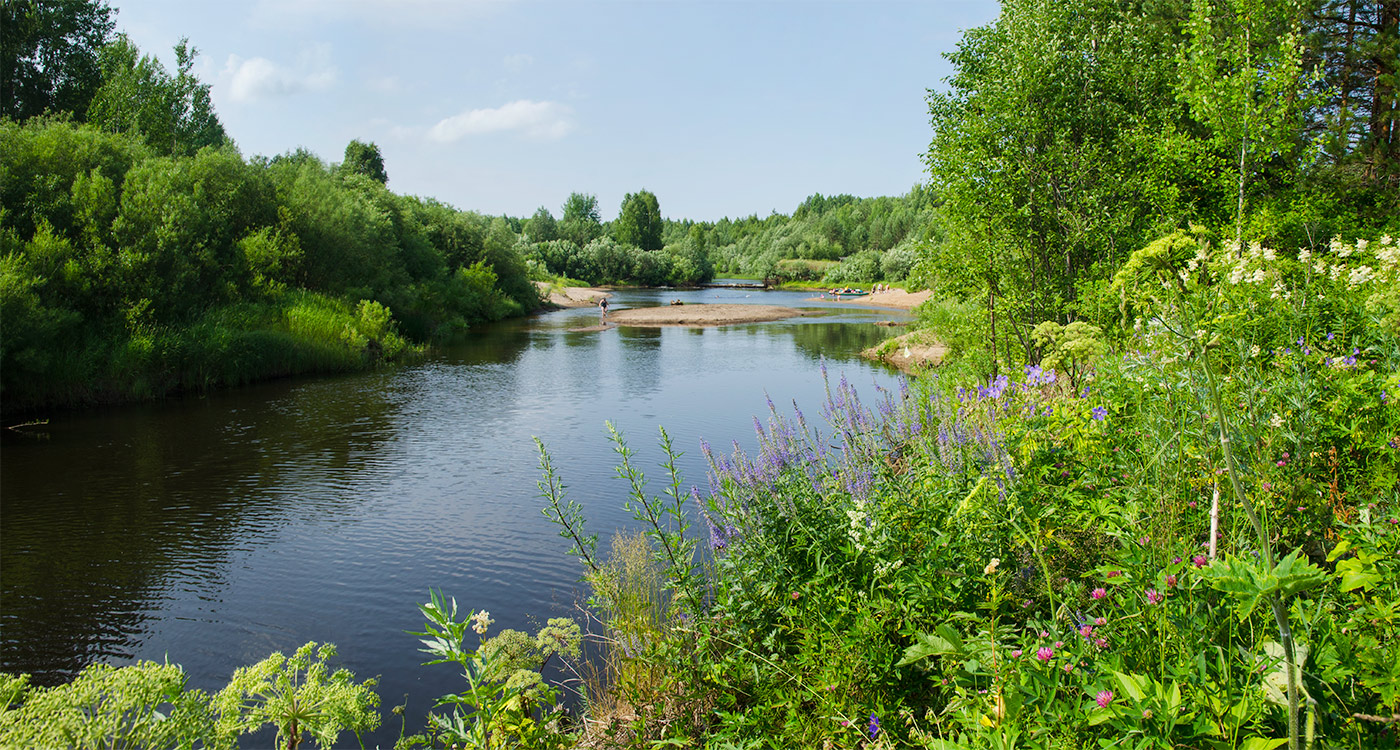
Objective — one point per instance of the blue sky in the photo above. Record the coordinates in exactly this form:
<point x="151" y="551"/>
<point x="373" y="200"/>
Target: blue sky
<point x="721" y="108"/>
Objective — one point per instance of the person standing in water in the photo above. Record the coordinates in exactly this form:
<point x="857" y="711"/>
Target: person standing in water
<point x="603" y="309"/>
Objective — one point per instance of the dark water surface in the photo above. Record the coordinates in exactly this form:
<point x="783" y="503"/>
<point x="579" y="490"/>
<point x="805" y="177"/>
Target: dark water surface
<point x="216" y="530"/>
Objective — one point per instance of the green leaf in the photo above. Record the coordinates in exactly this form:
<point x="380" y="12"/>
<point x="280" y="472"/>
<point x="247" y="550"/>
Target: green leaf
<point x="1263" y="743"/>
<point x="1355" y="574"/>
<point x="928" y="645"/>
<point x="1134" y="685"/>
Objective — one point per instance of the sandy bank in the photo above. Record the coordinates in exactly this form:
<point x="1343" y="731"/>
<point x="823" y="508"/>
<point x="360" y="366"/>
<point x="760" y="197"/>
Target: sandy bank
<point x="916" y="349"/>
<point x="896" y="299"/>
<point x="701" y="315"/>
<point x="572" y="296"/>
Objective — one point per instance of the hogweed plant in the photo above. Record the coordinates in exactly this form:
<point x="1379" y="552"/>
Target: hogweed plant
<point x="506" y="701"/>
<point x="1195" y="295"/>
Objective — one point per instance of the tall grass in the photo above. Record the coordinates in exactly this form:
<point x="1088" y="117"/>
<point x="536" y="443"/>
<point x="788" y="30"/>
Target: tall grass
<point x="298" y="333"/>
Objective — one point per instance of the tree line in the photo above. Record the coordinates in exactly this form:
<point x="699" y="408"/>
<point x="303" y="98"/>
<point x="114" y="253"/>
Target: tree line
<point x="1073" y="133"/>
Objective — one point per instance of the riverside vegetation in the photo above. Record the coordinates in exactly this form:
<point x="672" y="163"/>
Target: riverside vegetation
<point x="1151" y="500"/>
<point x="1128" y="551"/>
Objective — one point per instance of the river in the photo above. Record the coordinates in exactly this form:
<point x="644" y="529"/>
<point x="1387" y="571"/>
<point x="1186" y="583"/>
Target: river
<point x="214" y="530"/>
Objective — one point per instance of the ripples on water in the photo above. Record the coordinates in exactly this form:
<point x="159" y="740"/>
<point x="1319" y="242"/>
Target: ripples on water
<point x="217" y="530"/>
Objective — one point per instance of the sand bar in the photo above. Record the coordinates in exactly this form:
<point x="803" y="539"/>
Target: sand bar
<point x="702" y="315"/>
<point x="912" y="351"/>
<point x="896" y="299"/>
<point x="573" y="296"/>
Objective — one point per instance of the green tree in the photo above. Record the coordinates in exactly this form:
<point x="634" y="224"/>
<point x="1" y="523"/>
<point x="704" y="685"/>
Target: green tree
<point x="1356" y="44"/>
<point x="364" y="159"/>
<point x="49" y="55"/>
<point x="639" y="222"/>
<point x="580" y="223"/>
<point x="542" y="227"/>
<point x="174" y="115"/>
<point x="1046" y="152"/>
<point x="1242" y="74"/>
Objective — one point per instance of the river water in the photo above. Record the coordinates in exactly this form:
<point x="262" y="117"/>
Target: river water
<point x="212" y="531"/>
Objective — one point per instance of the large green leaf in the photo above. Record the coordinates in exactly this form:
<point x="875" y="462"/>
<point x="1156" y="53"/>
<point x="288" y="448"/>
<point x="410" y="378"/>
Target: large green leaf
<point x="1250" y="581"/>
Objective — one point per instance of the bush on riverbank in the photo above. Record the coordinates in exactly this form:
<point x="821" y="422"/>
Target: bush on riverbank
<point x="125" y="274"/>
<point x="1030" y="562"/>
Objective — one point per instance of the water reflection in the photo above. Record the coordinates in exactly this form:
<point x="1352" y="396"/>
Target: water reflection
<point x="216" y="530"/>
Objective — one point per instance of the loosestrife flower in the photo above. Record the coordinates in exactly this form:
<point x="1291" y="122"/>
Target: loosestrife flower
<point x="1104" y="698"/>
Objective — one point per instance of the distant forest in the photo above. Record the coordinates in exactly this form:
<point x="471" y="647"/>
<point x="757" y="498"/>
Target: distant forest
<point x="141" y="253"/>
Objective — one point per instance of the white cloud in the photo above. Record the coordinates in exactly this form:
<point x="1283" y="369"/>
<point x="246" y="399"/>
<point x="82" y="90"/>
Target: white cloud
<point x="518" y="63"/>
<point x="543" y="120"/>
<point x="385" y="84"/>
<point x="260" y="78"/>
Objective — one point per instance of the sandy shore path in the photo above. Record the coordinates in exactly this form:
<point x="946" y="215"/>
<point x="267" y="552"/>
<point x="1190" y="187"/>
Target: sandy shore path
<point x="911" y="352"/>
<point x="573" y="296"/>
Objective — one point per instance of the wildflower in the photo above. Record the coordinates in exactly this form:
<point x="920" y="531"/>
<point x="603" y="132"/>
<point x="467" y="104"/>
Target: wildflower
<point x="1100" y="621"/>
<point x="1099" y="593"/>
<point x="874" y="726"/>
<point x="1059" y="644"/>
<point x="1086" y="630"/>
<point x="1171" y="580"/>
<point x="1045" y="653"/>
<point x="1114" y="573"/>
<point x="1100" y="414"/>
<point x="1176" y="559"/>
<point x="481" y="621"/>
<point x="1153" y="597"/>
<point x="1276" y="422"/>
<point x="796" y="595"/>
<point x="1016" y="653"/>
<point x="991" y="566"/>
<point x="1104" y="698"/>
<point x="1101" y="642"/>
<point x="1069" y="668"/>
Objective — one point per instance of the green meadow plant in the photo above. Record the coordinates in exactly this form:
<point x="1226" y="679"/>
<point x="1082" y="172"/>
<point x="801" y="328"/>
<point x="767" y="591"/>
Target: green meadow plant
<point x="147" y="705"/>
<point x="506" y="703"/>
<point x="297" y="695"/>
